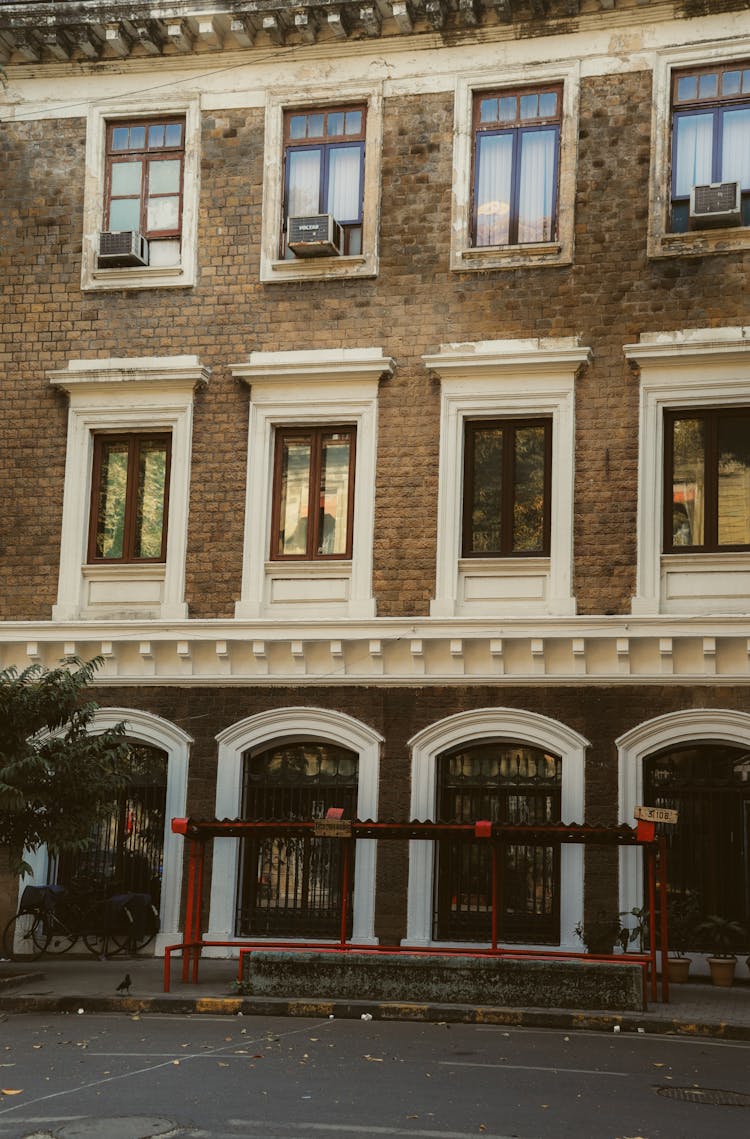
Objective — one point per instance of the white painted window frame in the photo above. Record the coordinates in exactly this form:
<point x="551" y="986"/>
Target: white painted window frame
<point x="483" y="725"/>
<point x="465" y="256"/>
<point x="690" y="368"/>
<point x="322" y="386"/>
<point x="498" y="379"/>
<point x="125" y="394"/>
<point x="287" y="725"/>
<point x="276" y="269"/>
<point x="660" y="242"/>
<point x="182" y="274"/>
<point x="145" y="728"/>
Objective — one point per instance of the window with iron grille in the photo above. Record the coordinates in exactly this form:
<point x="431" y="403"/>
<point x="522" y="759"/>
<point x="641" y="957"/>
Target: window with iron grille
<point x="500" y="782"/>
<point x="130" y="494"/>
<point x="516" y="158"/>
<point x="507" y="484"/>
<point x="291" y="887"/>
<point x="710" y="134"/>
<point x="324" y="156"/>
<point x="707" y="480"/>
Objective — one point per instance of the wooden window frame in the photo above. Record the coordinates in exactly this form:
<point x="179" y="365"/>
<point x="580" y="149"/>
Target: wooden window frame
<point x="325" y="144"/>
<point x="315" y="436"/>
<point x="517" y="129"/>
<point x="717" y="106"/>
<point x="508" y="428"/>
<point x="133" y="440"/>
<point x="711" y="418"/>
<point x="112" y="157"/>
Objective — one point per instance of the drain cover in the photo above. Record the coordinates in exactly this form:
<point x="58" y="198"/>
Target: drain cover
<point x="713" y="1096"/>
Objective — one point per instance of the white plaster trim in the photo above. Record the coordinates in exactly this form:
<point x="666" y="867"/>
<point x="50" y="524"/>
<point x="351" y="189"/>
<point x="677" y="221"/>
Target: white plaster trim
<point x="321" y="386"/>
<point x="698" y="367"/>
<point x="499" y="724"/>
<point x="146" y="728"/>
<point x="718" y="725"/>
<point x="272" y="267"/>
<point x="464" y="256"/>
<point x="292" y="724"/>
<point x="697" y="243"/>
<point x="125" y="395"/>
<point x="481" y="380"/>
<point x="140" y="277"/>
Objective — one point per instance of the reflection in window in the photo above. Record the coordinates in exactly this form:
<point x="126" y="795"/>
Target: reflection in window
<point x="129" y="498"/>
<point x="313" y="493"/>
<point x="707" y="480"/>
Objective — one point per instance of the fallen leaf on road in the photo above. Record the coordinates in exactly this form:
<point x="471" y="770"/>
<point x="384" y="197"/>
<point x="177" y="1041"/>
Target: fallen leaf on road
<point x="374" y="1059"/>
<point x="10" y="1091"/>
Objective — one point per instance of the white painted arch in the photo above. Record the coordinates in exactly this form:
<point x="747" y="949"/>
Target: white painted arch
<point x="693" y="725"/>
<point x="146" y="728"/>
<point x="507" y="725"/>
<point x="287" y="725"/>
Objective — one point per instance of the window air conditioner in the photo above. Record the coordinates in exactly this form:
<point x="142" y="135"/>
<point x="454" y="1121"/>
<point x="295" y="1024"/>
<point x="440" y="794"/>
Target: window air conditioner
<point x="715" y="205"/>
<point x="126" y="247"/>
<point x="319" y="235"/>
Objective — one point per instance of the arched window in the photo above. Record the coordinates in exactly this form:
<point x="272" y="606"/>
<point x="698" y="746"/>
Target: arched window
<point x="505" y="782"/>
<point x="288" y="886"/>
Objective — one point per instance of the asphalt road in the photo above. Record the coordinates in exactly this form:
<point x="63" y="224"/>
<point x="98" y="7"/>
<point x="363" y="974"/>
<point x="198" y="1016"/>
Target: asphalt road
<point x="129" y="1077"/>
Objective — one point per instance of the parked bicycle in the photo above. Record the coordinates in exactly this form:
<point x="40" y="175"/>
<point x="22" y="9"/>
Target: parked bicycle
<point x="51" y="919"/>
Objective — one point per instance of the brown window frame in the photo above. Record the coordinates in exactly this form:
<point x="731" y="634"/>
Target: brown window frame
<point x="113" y="157"/>
<point x="315" y="434"/>
<point x="508" y="426"/>
<point x="711" y="418"/>
<point x="134" y="440"/>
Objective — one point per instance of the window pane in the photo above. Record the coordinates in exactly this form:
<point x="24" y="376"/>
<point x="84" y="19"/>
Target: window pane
<point x="528" y="507"/>
<point x="488" y="110"/>
<point x="334" y="494"/>
<point x="120" y="138"/>
<point x="537" y="189"/>
<point x="734" y="480"/>
<point x="529" y="106"/>
<point x="295" y="497"/>
<point x="487" y="485"/>
<point x="494" y="156"/>
<point x="110" y="515"/>
<point x="126" y="178"/>
<point x="731" y="83"/>
<point x="508" y="109"/>
<point x="688" y="482"/>
<point x="137" y="138"/>
<point x="163" y="214"/>
<point x="164" y="176"/>
<point x="149" y="520"/>
<point x="124" y="213"/>
<point x="353" y="122"/>
<point x="304" y="182"/>
<point x="687" y="87"/>
<point x="693" y="147"/>
<point x="316" y="126"/>
<point x="344" y="195"/>
<point x="298" y="126"/>
<point x="156" y="135"/>
<point x="708" y="86"/>
<point x="735" y="154"/>
<point x="336" y="123"/>
<point x="173" y="134"/>
<point x="548" y="104"/>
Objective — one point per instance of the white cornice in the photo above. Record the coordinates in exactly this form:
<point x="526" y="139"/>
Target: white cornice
<point x="342" y="365"/>
<point x="710" y="345"/>
<point x="502" y="357"/>
<point x="172" y="371"/>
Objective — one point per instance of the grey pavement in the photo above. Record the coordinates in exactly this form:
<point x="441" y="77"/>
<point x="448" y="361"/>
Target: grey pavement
<point x="69" y="984"/>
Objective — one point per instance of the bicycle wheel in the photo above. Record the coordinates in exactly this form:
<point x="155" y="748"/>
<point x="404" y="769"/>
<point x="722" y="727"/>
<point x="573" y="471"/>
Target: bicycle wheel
<point x="61" y="937"/>
<point x="25" y="937"/>
<point x="99" y="937"/>
<point x="150" y="930"/>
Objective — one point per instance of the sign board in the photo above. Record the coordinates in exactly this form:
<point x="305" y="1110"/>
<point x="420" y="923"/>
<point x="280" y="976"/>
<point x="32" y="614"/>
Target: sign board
<point x="656" y="814"/>
<point x="332" y="828"/>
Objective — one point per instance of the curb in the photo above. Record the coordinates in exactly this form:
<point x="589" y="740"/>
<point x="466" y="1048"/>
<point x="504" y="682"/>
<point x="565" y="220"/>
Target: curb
<point x="569" y="1020"/>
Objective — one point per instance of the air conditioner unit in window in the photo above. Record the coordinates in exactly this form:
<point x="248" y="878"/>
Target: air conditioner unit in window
<point x="715" y="205"/>
<point x="318" y="235"/>
<point x="126" y="247"/>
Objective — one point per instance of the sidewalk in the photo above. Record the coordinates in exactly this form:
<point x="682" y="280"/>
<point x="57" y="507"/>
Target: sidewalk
<point x="68" y="985"/>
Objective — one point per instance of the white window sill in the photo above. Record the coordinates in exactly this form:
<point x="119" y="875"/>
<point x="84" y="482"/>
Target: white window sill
<point x="699" y="242"/>
<point x="319" y="268"/>
<point x="140" y="277"/>
<point x="511" y="256"/>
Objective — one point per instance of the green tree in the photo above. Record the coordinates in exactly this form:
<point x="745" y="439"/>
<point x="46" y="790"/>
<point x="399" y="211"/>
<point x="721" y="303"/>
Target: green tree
<point x="56" y="776"/>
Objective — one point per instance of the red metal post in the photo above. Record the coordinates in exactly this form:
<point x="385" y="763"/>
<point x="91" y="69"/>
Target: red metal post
<point x="197" y="932"/>
<point x="189" y="906"/>
<point x="664" y="919"/>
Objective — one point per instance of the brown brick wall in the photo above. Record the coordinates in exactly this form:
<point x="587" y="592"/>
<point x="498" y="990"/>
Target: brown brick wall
<point x="608" y="296"/>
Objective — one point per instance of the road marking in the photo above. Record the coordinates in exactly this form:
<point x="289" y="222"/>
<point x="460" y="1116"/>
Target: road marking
<point x="530" y="1068"/>
<point x="304" y="1130"/>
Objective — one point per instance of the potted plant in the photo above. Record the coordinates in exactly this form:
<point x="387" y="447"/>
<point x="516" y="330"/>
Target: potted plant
<point x="683" y="915"/>
<point x="602" y="933"/>
<point x="722" y="936"/>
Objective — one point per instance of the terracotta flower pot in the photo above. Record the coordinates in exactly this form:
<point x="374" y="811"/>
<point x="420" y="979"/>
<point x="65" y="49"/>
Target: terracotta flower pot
<point x="722" y="970"/>
<point x="678" y="970"/>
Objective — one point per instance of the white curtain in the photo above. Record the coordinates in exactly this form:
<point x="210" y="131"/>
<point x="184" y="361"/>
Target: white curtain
<point x="536" y="185"/>
<point x="494" y="159"/>
<point x="735" y="155"/>
<point x="695" y="134"/>
<point x="304" y="182"/>
<point x="344" y="164"/>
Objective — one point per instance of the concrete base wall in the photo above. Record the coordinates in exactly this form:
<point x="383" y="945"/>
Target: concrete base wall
<point x="453" y="980"/>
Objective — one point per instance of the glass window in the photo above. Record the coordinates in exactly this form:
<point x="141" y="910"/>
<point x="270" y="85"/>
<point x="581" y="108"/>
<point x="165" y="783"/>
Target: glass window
<point x="144" y="177"/>
<point x="313" y="493"/>
<point x="324" y="154"/>
<point x="707" y="480"/>
<point x="516" y="153"/>
<point x="507" y="488"/>
<point x="710" y="135"/>
<point x="129" y="498"/>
